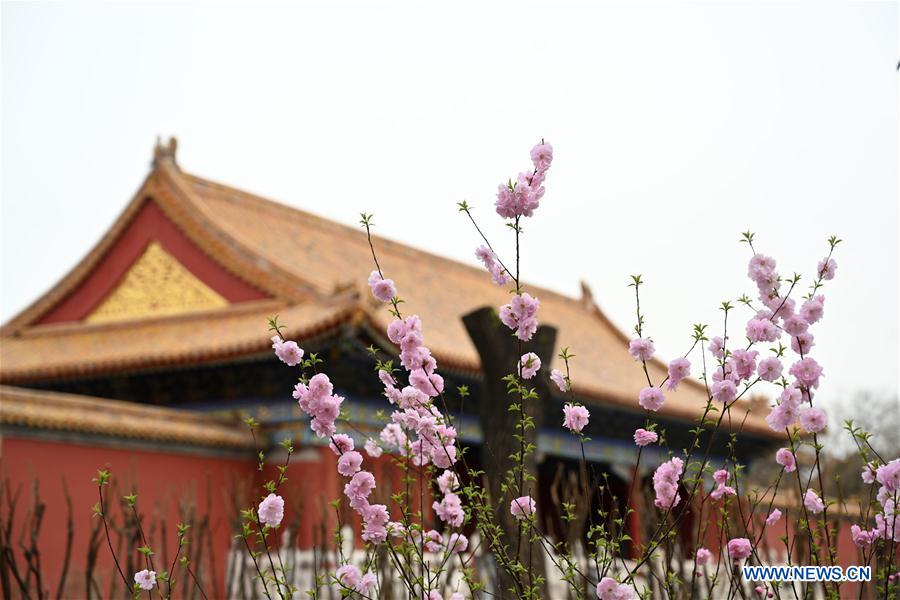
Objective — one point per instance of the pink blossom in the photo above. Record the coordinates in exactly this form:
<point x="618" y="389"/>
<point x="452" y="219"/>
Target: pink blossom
<point x="744" y="362"/>
<point x="443" y="457"/>
<point x="449" y="510"/>
<point x="392" y="435"/>
<point x="360" y="485"/>
<point x="288" y="352"/>
<point x="803" y="343"/>
<point x="641" y="349"/>
<point x="529" y="365"/>
<point x="498" y="274"/>
<point x="382" y="289"/>
<point x="348" y="576"/>
<point x="341" y="443"/>
<point x="760" y="589"/>
<point x="786" y="459"/>
<point x="721" y="491"/>
<point x="665" y="483"/>
<point x="542" y="156"/>
<point x="761" y="330"/>
<point x="642" y="437"/>
<point x="807" y="372"/>
<point x="523" y="507"/>
<point x="781" y="308"/>
<point x="889" y="475"/>
<point x="739" y="548"/>
<point x="773" y="517"/>
<point x="887" y="525"/>
<point x="861" y="537"/>
<point x="271" y="510"/>
<point x="868" y="473"/>
<point x="813" y="309"/>
<point x="560" y="380"/>
<point x="651" y="398"/>
<point x="520" y="315"/>
<point x="761" y="267"/>
<point x="813" y="420"/>
<point x="769" y="369"/>
<point x="795" y="325"/>
<point x="372" y="448"/>
<point x="724" y="391"/>
<point x="721" y="476"/>
<point x="717" y="347"/>
<point x="703" y="556"/>
<point x="520" y="199"/>
<point x="610" y="589"/>
<point x="433" y="541"/>
<point x="457" y="543"/>
<point x="367" y="584"/>
<point x="349" y="463"/>
<point x="812" y="502"/>
<point x="678" y="370"/>
<point x="447" y="482"/>
<point x="785" y="414"/>
<point x="145" y="579"/>
<point x="575" y="417"/>
<point x="375" y="518"/>
<point x="431" y="385"/>
<point x="827" y="268"/>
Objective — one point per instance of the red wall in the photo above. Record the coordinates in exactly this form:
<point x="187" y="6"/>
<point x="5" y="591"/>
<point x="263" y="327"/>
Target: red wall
<point x="162" y="479"/>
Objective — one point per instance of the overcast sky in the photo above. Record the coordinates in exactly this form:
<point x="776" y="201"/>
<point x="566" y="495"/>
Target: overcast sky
<point x="675" y="127"/>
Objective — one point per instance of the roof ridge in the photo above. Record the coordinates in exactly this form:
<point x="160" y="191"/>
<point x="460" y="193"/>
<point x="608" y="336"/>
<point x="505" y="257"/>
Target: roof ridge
<point x="83" y="267"/>
<point x="586" y="303"/>
<point x="390" y="243"/>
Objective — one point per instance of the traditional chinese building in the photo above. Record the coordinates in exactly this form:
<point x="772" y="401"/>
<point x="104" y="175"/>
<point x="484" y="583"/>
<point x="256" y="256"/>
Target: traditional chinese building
<point x="146" y="354"/>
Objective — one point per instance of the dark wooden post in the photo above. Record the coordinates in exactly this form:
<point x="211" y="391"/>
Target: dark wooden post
<point x="500" y="351"/>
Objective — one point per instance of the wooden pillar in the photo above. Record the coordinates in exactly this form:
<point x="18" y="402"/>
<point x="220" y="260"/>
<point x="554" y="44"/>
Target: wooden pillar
<point x="500" y="351"/>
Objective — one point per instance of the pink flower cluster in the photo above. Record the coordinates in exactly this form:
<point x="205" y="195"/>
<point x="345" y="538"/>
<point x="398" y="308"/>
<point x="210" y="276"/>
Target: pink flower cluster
<point x="521" y="199"/>
<point x="520" y="315"/>
<point x="415" y="357"/>
<point x="610" y="589"/>
<point x="721" y="478"/>
<point x="887" y="521"/>
<point x="449" y="510"/>
<point x="317" y="399"/>
<point x="492" y="264"/>
<point x="782" y="315"/>
<point x="435" y="440"/>
<point x="665" y="483"/>
<point x="350" y="577"/>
